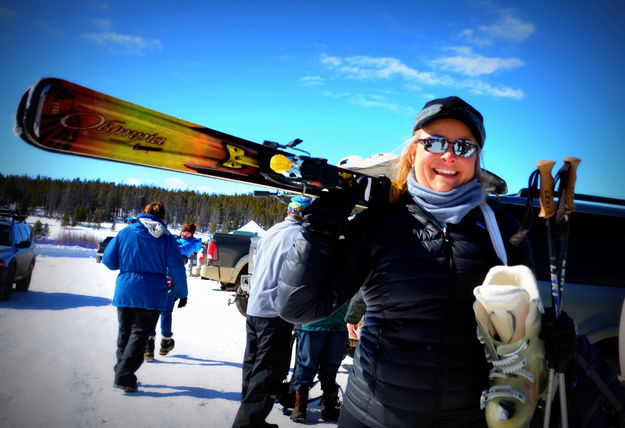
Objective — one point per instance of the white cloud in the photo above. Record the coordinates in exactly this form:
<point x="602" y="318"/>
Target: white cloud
<point x="101" y="23"/>
<point x="172" y="183"/>
<point x="375" y="101"/>
<point x="123" y="43"/>
<point x="473" y="64"/>
<point x="386" y="68"/>
<point x="311" y="80"/>
<point x="366" y="67"/>
<point x="175" y="184"/>
<point x="6" y="13"/>
<point x="469" y="36"/>
<point x="479" y="87"/>
<point x="509" y="27"/>
<point x="205" y="189"/>
<point x="133" y="181"/>
<point x="99" y="5"/>
<point x="380" y="102"/>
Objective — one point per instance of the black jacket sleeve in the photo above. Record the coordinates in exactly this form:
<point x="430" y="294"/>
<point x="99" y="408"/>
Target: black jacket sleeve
<point x="322" y="272"/>
<point x="356" y="309"/>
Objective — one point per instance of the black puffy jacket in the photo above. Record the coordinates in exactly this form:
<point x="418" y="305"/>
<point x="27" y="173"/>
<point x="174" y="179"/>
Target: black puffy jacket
<point x="418" y="350"/>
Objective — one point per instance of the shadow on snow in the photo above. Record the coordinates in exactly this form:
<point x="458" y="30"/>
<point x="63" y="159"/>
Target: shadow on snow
<point x="187" y="391"/>
<point x="52" y="301"/>
<point x="193" y="361"/>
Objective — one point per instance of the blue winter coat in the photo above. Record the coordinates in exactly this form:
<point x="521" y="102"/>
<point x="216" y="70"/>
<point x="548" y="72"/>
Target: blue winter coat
<point x="145" y="253"/>
<point x="189" y="246"/>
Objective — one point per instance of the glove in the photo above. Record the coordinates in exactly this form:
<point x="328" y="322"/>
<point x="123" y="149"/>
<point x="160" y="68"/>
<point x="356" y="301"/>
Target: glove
<point x="560" y="338"/>
<point x="328" y="213"/>
<point x="182" y="303"/>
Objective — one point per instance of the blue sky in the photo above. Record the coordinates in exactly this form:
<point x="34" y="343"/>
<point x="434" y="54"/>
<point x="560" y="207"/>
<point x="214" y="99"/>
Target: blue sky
<point x="347" y="77"/>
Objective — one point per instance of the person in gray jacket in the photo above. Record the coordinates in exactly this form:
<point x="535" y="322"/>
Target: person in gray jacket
<point x="268" y="348"/>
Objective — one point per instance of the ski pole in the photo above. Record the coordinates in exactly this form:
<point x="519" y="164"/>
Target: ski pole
<point x="567" y="201"/>
<point x="567" y="206"/>
<point x="547" y="211"/>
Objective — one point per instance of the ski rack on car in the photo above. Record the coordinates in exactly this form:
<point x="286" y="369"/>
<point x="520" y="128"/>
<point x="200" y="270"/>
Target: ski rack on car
<point x="11" y="214"/>
<point x="590" y="203"/>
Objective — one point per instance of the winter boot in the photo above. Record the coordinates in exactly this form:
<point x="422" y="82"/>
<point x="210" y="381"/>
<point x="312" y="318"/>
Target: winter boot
<point x="167" y="344"/>
<point x="330" y="406"/>
<point x="301" y="402"/>
<point x="508" y="311"/>
<point x="148" y="355"/>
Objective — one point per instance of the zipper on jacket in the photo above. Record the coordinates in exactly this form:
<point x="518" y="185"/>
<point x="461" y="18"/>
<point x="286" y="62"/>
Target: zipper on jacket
<point x="378" y="351"/>
<point x="447" y="240"/>
<point x="446" y="235"/>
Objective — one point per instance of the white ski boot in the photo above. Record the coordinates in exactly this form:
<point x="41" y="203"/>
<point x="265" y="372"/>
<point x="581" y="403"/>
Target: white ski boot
<point x="508" y="311"/>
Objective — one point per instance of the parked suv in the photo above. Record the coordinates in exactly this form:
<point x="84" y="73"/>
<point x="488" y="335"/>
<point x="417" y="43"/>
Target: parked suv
<point x="17" y="253"/>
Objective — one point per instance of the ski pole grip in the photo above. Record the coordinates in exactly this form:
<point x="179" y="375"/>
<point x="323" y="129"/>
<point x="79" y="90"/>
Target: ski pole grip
<point x="547" y="206"/>
<point x="569" y="201"/>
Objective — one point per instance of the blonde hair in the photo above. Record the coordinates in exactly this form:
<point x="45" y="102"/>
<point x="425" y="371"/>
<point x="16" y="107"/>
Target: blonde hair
<point x="402" y="168"/>
<point x="155" y="208"/>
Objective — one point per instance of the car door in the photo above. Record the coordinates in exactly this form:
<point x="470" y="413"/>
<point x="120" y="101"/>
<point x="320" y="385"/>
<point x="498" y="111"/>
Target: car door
<point x="24" y="255"/>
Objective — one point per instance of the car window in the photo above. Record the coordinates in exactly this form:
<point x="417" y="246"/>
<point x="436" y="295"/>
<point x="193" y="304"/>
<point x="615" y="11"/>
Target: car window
<point x="19" y="234"/>
<point x="27" y="232"/>
<point x="5" y="235"/>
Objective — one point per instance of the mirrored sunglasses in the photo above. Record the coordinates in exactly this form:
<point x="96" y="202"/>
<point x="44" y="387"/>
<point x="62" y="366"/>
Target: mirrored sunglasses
<point x="462" y="148"/>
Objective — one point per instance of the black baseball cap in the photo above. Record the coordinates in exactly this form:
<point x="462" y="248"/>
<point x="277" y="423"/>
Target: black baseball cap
<point x="452" y="108"/>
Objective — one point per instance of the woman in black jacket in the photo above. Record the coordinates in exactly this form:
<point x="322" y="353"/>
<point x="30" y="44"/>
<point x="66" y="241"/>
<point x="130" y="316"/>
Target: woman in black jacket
<point x="417" y="261"/>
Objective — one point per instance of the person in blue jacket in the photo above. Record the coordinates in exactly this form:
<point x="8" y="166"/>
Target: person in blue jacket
<point x="145" y="253"/>
<point x="187" y="245"/>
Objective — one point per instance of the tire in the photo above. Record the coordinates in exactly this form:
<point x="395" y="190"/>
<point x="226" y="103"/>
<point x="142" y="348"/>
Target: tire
<point x="230" y="287"/>
<point x="7" y="286"/>
<point x="23" y="284"/>
<point x="241" y="301"/>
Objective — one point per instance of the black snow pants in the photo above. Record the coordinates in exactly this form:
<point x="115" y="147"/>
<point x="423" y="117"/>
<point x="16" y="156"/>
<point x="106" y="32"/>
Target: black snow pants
<point x="265" y="365"/>
<point x="135" y="325"/>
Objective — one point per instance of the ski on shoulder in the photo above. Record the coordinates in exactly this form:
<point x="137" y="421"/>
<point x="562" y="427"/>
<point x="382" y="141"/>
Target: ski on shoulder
<point x="63" y="117"/>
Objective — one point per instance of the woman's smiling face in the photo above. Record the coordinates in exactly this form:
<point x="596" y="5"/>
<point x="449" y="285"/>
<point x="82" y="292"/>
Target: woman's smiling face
<point x="443" y="172"/>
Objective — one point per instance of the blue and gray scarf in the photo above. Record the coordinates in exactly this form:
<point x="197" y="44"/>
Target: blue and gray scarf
<point x="447" y="207"/>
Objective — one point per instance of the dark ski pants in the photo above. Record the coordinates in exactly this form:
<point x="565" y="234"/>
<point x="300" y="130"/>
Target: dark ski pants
<point x="135" y="325"/>
<point x="265" y="365"/>
<point x="319" y="353"/>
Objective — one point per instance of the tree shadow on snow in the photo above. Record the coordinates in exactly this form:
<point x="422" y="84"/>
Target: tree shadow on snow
<point x="194" y="361"/>
<point x="186" y="391"/>
<point x="52" y="301"/>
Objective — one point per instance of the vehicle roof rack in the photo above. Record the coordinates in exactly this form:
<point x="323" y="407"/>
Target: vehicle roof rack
<point x="10" y="213"/>
<point x="583" y="197"/>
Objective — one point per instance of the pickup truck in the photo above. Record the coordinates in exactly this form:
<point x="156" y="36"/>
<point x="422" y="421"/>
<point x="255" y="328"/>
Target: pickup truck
<point x="17" y="253"/>
<point x="225" y="258"/>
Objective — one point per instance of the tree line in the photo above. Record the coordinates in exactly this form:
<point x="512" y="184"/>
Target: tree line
<point x="75" y="201"/>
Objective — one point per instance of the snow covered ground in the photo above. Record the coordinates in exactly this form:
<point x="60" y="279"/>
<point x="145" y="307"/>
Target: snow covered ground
<point x="57" y="350"/>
